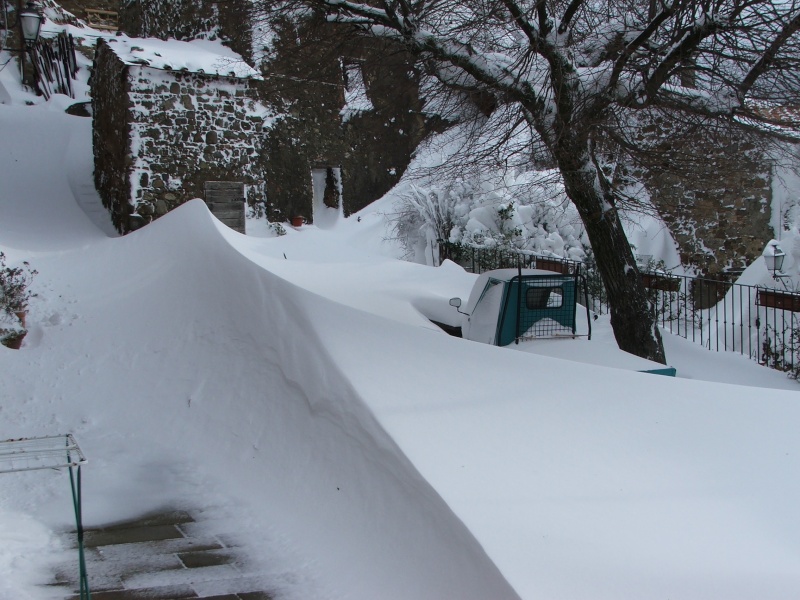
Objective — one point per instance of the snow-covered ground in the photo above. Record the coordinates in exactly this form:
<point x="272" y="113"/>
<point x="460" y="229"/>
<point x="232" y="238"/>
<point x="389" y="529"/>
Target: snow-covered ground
<point x="295" y="384"/>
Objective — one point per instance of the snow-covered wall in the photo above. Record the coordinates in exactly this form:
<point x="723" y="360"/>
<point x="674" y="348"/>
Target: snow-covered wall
<point x="304" y="66"/>
<point x="159" y="135"/>
<point x="372" y="142"/>
<point x="111" y="128"/>
<point x="713" y="189"/>
<point x="229" y="20"/>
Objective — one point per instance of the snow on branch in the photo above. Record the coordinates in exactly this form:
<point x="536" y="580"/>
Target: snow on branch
<point x="566" y="61"/>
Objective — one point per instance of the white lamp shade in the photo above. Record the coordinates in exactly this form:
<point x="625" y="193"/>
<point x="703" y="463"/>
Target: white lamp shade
<point x="30" y="21"/>
<point x="774" y="259"/>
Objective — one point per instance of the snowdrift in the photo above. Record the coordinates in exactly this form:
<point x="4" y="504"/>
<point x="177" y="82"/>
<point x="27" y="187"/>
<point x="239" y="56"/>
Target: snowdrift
<point x="201" y="371"/>
<point x="356" y="450"/>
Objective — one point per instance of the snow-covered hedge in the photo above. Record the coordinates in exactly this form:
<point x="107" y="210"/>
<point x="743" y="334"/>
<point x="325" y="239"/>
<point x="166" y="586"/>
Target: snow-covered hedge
<point x="527" y="212"/>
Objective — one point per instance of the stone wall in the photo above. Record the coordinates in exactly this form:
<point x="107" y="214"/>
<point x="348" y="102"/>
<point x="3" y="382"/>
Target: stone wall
<point x="304" y="83"/>
<point x="304" y="79"/>
<point x="379" y="143"/>
<point x="228" y="20"/>
<point x="111" y="129"/>
<point x="160" y="135"/>
<point x="713" y="189"/>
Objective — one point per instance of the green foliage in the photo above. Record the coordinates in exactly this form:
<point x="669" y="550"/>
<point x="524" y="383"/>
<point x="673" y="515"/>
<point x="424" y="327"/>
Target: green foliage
<point x="257" y="210"/>
<point x="509" y="237"/>
<point x="277" y="229"/>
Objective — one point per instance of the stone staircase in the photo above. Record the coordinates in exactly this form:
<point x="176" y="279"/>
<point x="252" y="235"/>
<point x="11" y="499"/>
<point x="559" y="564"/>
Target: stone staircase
<point x="166" y="556"/>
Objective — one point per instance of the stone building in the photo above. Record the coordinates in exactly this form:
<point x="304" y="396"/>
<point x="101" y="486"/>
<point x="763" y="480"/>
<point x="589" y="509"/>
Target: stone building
<point x="169" y="117"/>
<point x="360" y="154"/>
<point x="714" y="192"/>
<point x="229" y="20"/>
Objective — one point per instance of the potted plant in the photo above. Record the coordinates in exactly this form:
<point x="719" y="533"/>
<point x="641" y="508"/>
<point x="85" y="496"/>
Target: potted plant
<point x="15" y="295"/>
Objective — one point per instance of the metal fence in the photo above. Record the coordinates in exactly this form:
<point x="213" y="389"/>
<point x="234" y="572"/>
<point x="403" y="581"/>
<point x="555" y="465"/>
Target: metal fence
<point x="754" y="321"/>
<point x="479" y="260"/>
<point x="760" y="323"/>
<point x="55" y="65"/>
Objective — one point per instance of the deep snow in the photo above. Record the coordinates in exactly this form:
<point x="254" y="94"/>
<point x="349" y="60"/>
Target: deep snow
<point x="295" y="386"/>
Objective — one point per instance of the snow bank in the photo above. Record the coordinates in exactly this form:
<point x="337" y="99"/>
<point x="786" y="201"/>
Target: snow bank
<point x="249" y="405"/>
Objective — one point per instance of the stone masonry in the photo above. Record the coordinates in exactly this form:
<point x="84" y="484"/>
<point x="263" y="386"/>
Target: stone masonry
<point x="190" y="19"/>
<point x="304" y="84"/>
<point x="159" y="135"/>
<point x="713" y="192"/>
<point x="713" y="189"/>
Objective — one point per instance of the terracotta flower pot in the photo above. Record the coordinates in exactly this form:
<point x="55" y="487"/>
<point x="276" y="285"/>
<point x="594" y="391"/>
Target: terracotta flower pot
<point x="298" y="221"/>
<point x="15" y="341"/>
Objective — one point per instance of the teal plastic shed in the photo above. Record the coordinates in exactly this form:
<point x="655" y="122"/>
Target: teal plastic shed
<point x="511" y="305"/>
<point x="507" y="305"/>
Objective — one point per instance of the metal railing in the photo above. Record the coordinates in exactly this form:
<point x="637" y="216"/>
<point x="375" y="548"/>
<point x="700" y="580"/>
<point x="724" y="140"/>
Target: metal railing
<point x="754" y="321"/>
<point x="479" y="260"/>
<point x="760" y="323"/>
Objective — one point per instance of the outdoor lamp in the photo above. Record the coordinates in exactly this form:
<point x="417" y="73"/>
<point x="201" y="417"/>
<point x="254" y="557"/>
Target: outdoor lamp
<point x="30" y="21"/>
<point x="774" y="259"/>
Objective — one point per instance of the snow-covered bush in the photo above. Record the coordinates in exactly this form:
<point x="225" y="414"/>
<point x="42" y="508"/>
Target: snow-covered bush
<point x="526" y="213"/>
<point x="15" y="295"/>
<point x="425" y="217"/>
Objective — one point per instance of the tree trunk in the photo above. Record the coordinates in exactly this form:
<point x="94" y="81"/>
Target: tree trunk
<point x="632" y="318"/>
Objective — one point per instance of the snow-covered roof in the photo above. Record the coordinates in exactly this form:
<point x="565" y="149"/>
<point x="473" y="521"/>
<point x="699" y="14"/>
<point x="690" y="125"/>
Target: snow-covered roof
<point x="790" y="115"/>
<point x="197" y="56"/>
<point x="504" y="275"/>
<point x="509" y="274"/>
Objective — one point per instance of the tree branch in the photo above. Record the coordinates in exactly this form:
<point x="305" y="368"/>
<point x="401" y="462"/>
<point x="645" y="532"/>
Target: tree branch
<point x="768" y="58"/>
<point x="680" y="52"/>
<point x="523" y="23"/>
<point x="568" y="14"/>
<point x="637" y="43"/>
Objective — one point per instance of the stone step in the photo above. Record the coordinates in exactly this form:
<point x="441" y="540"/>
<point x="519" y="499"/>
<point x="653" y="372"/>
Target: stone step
<point x="164" y="556"/>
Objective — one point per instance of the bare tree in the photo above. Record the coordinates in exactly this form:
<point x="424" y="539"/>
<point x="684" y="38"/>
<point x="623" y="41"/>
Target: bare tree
<point x="574" y="69"/>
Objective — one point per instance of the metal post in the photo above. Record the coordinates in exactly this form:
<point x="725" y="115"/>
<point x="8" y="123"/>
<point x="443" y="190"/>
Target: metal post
<point x="26" y="67"/>
<point x="519" y="297"/>
<point x="76" y="501"/>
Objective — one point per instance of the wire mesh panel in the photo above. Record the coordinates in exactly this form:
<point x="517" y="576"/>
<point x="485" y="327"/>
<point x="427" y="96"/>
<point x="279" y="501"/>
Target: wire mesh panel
<point x="545" y="306"/>
<point x="30" y="454"/>
<point x="51" y="452"/>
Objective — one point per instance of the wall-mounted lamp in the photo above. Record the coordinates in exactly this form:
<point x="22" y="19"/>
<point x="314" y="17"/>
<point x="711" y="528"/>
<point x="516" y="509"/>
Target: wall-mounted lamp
<point x="773" y="258"/>
<point x="30" y="22"/>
